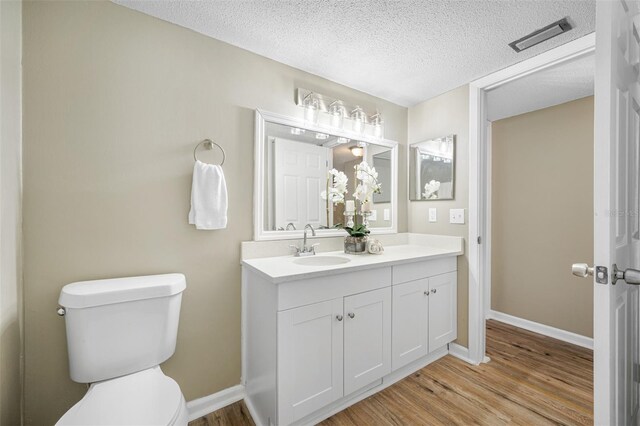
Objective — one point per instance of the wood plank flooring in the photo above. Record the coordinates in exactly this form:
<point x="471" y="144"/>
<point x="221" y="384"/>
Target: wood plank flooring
<point x="531" y="380"/>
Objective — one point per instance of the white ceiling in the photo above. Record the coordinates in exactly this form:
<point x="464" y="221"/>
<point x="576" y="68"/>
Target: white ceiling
<point x="553" y="86"/>
<point x="405" y="51"/>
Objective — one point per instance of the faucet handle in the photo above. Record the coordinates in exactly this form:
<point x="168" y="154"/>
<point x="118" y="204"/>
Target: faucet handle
<point x="313" y="247"/>
<point x="296" y="248"/>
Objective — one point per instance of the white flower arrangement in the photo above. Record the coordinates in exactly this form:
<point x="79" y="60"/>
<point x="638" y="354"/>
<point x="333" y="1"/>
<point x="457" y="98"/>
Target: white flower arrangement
<point x="431" y="190"/>
<point x="368" y="177"/>
<point x="336" y="187"/>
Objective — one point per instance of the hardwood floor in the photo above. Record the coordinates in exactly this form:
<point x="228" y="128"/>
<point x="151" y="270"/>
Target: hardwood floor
<point x="531" y="380"/>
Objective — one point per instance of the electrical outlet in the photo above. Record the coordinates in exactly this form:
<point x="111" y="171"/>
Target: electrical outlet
<point x="387" y="214"/>
<point x="433" y="214"/>
<point x="456" y="216"/>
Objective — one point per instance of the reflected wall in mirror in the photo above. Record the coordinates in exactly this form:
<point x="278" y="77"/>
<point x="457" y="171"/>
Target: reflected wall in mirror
<point x="431" y="169"/>
<point x="295" y="164"/>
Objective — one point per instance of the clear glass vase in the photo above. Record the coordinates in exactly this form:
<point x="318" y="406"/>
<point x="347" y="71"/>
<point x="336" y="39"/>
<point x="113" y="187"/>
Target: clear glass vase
<point x="355" y="245"/>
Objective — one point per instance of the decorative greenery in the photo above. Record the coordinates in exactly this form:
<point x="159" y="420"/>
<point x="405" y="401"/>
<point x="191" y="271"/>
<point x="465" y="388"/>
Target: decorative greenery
<point x="358" y="231"/>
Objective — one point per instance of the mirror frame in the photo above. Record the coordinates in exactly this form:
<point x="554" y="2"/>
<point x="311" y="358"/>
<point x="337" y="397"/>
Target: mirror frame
<point x="261" y="117"/>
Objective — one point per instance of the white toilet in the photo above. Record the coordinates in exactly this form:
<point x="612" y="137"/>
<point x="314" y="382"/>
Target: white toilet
<point x="118" y="332"/>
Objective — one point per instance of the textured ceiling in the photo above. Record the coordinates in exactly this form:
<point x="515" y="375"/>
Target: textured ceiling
<point x="405" y="51"/>
<point x="556" y="85"/>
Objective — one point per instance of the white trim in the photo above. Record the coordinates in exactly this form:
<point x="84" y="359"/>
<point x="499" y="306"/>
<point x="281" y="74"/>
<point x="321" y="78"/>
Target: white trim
<point x="252" y="411"/>
<point x="479" y="177"/>
<point x="545" y="330"/>
<point x="261" y="117"/>
<point x="460" y="352"/>
<point x="208" y="404"/>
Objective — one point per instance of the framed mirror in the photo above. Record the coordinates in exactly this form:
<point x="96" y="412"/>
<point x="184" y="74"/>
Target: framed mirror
<point x="295" y="165"/>
<point x="432" y="169"/>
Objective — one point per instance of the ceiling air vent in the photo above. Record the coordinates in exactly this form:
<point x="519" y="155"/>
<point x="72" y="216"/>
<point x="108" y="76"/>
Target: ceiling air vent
<point x="543" y="34"/>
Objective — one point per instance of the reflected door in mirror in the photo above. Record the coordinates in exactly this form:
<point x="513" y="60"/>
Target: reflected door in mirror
<point x="300" y="173"/>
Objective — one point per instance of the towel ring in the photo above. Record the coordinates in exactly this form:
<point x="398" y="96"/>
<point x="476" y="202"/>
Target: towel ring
<point x="208" y="143"/>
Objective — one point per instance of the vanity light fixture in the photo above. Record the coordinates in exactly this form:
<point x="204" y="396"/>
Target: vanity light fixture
<point x="358" y="150"/>
<point x="333" y="113"/>
<point x="297" y="131"/>
<point x="335" y="142"/>
<point x="359" y="118"/>
<point x="322" y="136"/>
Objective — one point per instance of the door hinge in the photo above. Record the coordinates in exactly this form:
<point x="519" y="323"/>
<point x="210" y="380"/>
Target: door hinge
<point x="479" y="240"/>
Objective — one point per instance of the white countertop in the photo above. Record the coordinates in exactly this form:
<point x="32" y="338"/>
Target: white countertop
<point x="283" y="268"/>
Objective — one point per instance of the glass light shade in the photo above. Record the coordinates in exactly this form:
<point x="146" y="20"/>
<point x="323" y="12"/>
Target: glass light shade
<point x="337" y="112"/>
<point x="359" y="118"/>
<point x="378" y="125"/>
<point x="311" y="107"/>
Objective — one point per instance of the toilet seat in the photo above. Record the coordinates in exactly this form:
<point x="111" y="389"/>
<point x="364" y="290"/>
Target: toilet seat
<point x="144" y="398"/>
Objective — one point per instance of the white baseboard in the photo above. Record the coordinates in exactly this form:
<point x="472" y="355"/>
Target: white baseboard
<point x="208" y="404"/>
<point x="556" y="333"/>
<point x="460" y="352"/>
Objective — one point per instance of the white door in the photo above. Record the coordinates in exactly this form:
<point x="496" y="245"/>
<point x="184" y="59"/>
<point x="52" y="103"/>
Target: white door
<point x="310" y="366"/>
<point x="409" y="324"/>
<point x="442" y="310"/>
<point x="617" y="103"/>
<point x="300" y="176"/>
<point x="367" y="338"/>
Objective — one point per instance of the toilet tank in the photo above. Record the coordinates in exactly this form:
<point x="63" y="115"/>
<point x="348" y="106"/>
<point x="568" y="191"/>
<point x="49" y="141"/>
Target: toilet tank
<point x="121" y="326"/>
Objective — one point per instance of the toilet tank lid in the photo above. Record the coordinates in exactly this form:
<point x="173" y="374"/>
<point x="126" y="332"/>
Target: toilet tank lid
<point x="86" y="294"/>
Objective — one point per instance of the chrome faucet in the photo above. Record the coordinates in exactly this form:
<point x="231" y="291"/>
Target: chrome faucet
<point x="290" y="225"/>
<point x="304" y="250"/>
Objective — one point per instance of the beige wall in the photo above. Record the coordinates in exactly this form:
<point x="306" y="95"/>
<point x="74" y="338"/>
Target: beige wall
<point x="444" y="115"/>
<point x="114" y="103"/>
<point x="542" y="192"/>
<point x="10" y="216"/>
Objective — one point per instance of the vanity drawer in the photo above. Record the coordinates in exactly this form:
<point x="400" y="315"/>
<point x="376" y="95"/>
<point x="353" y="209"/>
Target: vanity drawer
<point x="418" y="270"/>
<point x="312" y="290"/>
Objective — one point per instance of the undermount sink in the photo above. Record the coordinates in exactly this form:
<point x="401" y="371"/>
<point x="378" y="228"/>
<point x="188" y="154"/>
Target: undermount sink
<point x="321" y="260"/>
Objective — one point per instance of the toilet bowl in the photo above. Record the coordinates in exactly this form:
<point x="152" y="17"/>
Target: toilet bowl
<point x="144" y="398"/>
<point x="119" y="331"/>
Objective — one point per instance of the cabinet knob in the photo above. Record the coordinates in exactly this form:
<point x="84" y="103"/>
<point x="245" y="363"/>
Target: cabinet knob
<point x="351" y="315"/>
<point x="339" y="317"/>
<point x="426" y="292"/>
<point x="435" y="290"/>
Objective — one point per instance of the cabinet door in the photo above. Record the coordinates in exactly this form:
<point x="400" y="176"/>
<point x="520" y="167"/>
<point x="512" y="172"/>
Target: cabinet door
<point x="409" y="323"/>
<point x="367" y="338"/>
<point x="310" y="347"/>
<point x="442" y="310"/>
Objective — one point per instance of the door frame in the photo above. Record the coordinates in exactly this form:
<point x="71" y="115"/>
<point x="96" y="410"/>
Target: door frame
<point x="479" y="238"/>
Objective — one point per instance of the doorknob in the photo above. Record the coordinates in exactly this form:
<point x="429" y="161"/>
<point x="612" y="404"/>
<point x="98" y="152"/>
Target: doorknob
<point x="582" y="270"/>
<point x="630" y="276"/>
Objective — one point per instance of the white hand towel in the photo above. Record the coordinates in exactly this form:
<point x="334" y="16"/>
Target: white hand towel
<point x="208" y="197"/>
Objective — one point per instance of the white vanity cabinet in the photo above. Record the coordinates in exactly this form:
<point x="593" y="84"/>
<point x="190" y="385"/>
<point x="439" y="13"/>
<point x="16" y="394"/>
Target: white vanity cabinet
<point x="424" y="317"/>
<point x="310" y="353"/>
<point x="330" y="349"/>
<point x="315" y="343"/>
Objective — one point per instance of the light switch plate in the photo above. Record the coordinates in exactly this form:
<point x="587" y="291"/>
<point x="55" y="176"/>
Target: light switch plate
<point x="456" y="216"/>
<point x="387" y="214"/>
<point x="433" y="214"/>
<point x="374" y="215"/>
